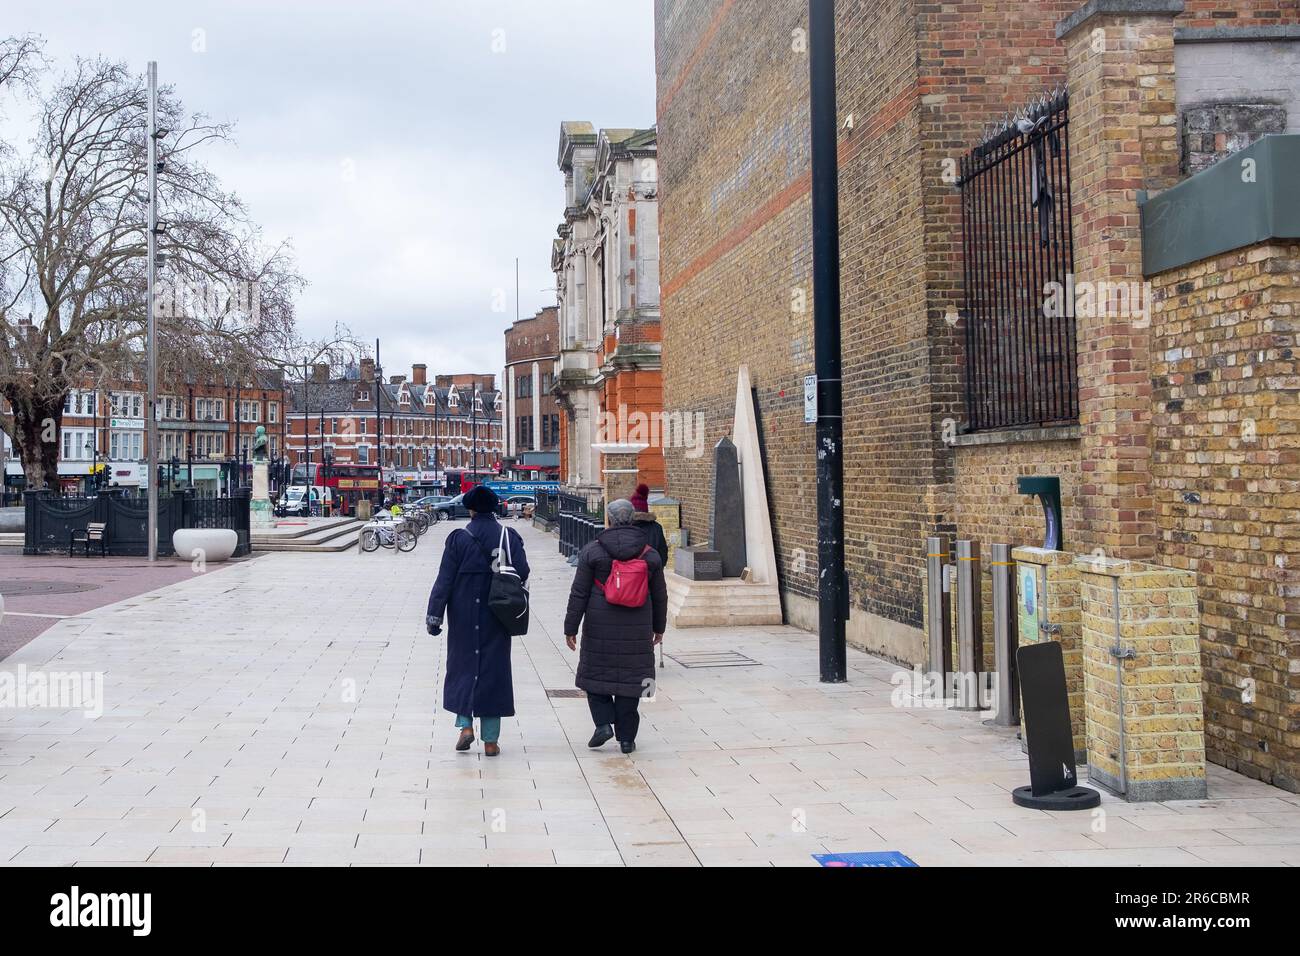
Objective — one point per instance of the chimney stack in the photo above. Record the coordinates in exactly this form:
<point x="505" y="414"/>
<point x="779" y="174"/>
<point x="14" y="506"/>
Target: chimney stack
<point x="396" y="379"/>
<point x="367" y="370"/>
<point x="418" y="373"/>
<point x="320" y="372"/>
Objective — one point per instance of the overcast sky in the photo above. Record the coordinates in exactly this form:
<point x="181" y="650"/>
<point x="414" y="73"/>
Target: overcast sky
<point x="407" y="160"/>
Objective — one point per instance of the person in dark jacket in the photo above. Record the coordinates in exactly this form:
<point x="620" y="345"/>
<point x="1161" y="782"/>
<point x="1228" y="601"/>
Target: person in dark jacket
<point x="644" y="519"/>
<point x="617" y="662"/>
<point x="478" y="682"/>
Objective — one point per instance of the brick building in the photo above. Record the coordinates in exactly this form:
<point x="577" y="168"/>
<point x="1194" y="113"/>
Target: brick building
<point x="205" y="434"/>
<point x="414" y="429"/>
<point x="1148" y="467"/>
<point x="606" y="262"/>
<point x="531" y="412"/>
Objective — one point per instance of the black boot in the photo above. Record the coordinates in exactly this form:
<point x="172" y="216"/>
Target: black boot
<point x="627" y="746"/>
<point x="602" y="734"/>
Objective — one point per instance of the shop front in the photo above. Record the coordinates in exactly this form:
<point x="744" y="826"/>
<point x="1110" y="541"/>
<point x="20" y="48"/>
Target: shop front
<point x="207" y="478"/>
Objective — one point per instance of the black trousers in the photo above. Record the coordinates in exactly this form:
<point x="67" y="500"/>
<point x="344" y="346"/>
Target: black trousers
<point x="619" y="711"/>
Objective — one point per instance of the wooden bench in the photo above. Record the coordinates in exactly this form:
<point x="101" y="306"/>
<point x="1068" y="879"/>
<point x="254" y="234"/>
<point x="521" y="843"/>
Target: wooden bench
<point x="95" y="533"/>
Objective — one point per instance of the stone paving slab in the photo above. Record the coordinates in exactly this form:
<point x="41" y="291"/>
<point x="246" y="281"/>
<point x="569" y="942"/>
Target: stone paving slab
<point x="114" y="580"/>
<point x="287" y="710"/>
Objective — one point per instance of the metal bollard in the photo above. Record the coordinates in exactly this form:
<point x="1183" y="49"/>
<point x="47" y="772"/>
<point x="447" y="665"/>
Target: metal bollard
<point x="938" y="608"/>
<point x="970" y="626"/>
<point x="1006" y="638"/>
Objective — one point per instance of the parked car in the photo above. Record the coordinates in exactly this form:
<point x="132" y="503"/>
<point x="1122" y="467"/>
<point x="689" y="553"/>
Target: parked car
<point x="428" y="501"/>
<point x="453" y="507"/>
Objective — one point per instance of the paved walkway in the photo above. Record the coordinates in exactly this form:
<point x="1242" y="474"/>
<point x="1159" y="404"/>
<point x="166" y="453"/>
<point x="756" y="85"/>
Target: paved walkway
<point x="38" y="590"/>
<point x="287" y="710"/>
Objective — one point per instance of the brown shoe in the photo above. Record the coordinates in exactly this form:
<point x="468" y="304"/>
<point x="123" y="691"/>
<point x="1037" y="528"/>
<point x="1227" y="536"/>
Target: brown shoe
<point x="491" y="750"/>
<point x="466" y="738"/>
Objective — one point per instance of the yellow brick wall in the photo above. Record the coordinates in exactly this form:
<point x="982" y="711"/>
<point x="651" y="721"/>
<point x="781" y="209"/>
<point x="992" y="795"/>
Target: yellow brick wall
<point x="1163" y="730"/>
<point x="1226" y="475"/>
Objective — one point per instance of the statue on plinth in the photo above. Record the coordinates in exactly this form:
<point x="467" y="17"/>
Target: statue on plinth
<point x="260" y="505"/>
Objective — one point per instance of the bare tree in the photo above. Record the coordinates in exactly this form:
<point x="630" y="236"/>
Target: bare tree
<point x="72" y="258"/>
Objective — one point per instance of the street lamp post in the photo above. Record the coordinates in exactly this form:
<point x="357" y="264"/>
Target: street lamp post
<point x="151" y="325"/>
<point x="833" y="594"/>
<point x="306" y="430"/>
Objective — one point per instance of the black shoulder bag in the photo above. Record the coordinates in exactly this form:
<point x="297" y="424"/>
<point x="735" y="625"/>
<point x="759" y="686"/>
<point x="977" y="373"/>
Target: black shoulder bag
<point x="508" y="595"/>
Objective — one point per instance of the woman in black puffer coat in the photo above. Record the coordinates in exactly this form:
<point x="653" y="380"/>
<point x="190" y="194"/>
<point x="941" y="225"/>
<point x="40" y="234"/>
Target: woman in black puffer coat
<point x="617" y="663"/>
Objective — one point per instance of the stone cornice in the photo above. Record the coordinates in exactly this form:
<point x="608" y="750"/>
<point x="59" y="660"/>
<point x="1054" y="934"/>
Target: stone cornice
<point x="1095" y="8"/>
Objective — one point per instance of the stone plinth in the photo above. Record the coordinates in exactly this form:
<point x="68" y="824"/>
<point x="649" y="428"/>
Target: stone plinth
<point x="726" y="603"/>
<point x="1145" y="724"/>
<point x="1050" y="612"/>
<point x="259" y="506"/>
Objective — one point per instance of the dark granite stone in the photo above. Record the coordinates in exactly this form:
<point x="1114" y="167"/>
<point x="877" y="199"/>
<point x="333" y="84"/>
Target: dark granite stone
<point x="727" y="518"/>
<point x="698" y="564"/>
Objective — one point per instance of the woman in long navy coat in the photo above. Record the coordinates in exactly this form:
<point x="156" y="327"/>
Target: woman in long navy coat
<point x="478" y="682"/>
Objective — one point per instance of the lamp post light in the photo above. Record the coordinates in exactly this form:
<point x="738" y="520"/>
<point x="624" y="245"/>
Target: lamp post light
<point x="151" y="324"/>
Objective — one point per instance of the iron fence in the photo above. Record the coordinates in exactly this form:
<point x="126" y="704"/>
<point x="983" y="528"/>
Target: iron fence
<point x="577" y="531"/>
<point x="579" y="504"/>
<point x="1018" y="255"/>
<point x="547" y="508"/>
<point x="51" y="519"/>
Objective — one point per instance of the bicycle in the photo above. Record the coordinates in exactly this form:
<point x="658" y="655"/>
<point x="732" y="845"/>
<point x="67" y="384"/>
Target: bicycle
<point x="419" y="519"/>
<point x="389" y="533"/>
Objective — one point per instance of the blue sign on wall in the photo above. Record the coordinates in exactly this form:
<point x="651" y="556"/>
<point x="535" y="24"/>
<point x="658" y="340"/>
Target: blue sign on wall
<point x="887" y="858"/>
<point x="522" y="487"/>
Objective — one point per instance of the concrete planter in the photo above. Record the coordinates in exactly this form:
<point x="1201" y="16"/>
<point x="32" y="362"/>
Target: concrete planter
<point x="12" y="520"/>
<point x="211" y="544"/>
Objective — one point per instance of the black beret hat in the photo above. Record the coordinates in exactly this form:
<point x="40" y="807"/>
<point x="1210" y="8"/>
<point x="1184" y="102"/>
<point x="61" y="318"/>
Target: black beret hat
<point x="481" y="499"/>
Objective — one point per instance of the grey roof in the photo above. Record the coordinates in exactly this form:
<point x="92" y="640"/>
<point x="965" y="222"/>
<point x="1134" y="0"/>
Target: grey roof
<point x="339" y="395"/>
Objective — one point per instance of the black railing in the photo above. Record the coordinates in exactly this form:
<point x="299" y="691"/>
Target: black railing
<point x="51" y="519"/>
<point x="1019" y="273"/>
<point x="577" y="531"/>
<point x="547" y="508"/>
<point x="579" y="504"/>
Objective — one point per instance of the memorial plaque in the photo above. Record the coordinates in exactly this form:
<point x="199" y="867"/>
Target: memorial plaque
<point x="698" y="564"/>
<point x="727" y="518"/>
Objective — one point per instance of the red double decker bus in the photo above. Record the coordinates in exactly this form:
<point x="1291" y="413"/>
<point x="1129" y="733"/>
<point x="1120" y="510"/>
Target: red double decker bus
<point x="350" y="482"/>
<point x="460" y="481"/>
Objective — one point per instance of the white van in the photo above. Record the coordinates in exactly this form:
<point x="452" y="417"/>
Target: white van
<point x="294" y="502"/>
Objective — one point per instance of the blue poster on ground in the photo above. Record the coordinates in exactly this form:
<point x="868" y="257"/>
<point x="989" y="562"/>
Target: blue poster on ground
<point x="887" y="858"/>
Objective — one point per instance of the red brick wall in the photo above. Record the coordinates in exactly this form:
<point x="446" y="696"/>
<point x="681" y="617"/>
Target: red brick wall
<point x="1218" y="13"/>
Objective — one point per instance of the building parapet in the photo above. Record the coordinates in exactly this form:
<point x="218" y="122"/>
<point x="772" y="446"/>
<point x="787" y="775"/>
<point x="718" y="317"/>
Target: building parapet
<point x="1250" y="197"/>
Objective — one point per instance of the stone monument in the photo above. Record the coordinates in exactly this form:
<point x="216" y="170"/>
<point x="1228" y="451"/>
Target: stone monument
<point x="260" y="503"/>
<point x="727" y="518"/>
<point x="708" y="586"/>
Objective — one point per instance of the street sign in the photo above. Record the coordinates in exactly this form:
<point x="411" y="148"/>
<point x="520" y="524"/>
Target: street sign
<point x="809" y="399"/>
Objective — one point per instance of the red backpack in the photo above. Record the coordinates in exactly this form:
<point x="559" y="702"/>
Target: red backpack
<point x="628" y="584"/>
